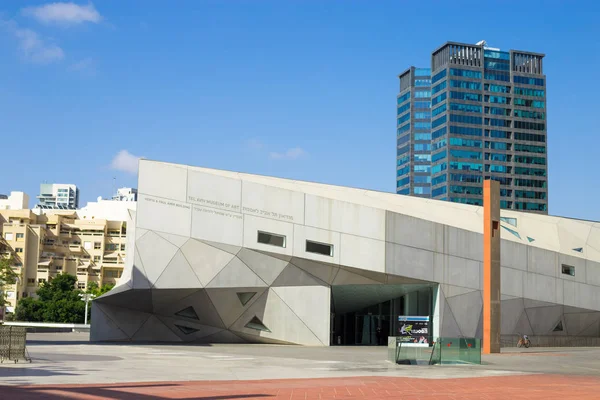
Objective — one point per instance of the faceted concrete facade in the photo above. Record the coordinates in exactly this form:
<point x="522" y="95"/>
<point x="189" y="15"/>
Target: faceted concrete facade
<point x="199" y="273"/>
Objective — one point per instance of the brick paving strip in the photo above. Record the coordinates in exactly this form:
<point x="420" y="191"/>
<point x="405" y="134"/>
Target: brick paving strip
<point x="548" y="387"/>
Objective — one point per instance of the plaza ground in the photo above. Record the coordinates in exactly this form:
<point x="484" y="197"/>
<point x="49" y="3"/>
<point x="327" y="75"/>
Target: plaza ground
<point x="67" y="366"/>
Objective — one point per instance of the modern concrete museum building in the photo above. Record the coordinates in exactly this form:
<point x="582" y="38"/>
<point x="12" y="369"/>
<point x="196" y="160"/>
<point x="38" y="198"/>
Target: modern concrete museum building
<point x="230" y="257"/>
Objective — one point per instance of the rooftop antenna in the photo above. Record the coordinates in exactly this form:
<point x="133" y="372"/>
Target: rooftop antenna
<point x="114" y="185"/>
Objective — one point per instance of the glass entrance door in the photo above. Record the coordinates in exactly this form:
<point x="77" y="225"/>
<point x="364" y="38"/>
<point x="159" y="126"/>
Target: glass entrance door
<point x="366" y="330"/>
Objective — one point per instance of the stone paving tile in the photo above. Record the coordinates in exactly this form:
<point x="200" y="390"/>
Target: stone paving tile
<point x="548" y="387"/>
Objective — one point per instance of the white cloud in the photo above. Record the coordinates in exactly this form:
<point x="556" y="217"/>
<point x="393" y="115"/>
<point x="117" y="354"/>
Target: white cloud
<point x="291" y="154"/>
<point x="126" y="162"/>
<point x="35" y="48"/>
<point x="63" y="13"/>
<point x="85" y="66"/>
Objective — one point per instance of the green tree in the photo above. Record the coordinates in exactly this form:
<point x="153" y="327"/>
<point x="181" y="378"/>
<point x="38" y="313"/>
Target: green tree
<point x="57" y="301"/>
<point x="7" y="275"/>
<point x="97" y="291"/>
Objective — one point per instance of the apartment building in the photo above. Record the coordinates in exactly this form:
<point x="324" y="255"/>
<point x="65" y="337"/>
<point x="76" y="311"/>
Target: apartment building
<point x="58" y="196"/>
<point x="61" y="241"/>
<point x="14" y="201"/>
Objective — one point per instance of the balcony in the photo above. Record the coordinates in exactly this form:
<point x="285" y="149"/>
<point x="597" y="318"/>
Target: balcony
<point x="75" y="248"/>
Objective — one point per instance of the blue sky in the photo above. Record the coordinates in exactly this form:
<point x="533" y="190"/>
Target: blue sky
<point x="295" y="89"/>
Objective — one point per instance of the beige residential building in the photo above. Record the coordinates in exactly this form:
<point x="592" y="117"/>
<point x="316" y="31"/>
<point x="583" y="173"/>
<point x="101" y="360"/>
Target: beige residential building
<point x="61" y="241"/>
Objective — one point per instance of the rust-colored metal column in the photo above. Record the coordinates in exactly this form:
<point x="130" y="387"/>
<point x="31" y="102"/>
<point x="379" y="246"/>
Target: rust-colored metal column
<point x="491" y="267"/>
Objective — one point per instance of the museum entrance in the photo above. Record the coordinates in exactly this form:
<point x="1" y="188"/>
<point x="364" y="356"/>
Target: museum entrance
<point x="367" y="314"/>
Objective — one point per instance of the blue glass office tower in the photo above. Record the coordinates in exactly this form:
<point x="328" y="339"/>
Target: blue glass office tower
<point x="488" y="121"/>
<point x="414" y="133"/>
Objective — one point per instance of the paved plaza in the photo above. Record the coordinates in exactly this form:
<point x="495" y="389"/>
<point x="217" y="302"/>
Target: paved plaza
<point x="67" y="366"/>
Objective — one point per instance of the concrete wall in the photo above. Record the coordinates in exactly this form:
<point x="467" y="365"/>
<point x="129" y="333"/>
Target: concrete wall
<point x="196" y="246"/>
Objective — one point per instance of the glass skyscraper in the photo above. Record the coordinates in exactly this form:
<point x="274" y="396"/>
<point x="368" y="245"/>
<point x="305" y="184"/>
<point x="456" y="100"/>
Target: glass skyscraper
<point x="478" y="113"/>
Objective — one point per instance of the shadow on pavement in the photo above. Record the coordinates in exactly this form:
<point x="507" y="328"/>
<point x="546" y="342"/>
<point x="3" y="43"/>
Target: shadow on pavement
<point x="114" y="391"/>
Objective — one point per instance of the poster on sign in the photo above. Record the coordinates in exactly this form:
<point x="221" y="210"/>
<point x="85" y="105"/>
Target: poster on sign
<point x="413" y="330"/>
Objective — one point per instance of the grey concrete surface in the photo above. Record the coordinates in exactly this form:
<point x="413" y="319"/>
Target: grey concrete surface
<point x="64" y="358"/>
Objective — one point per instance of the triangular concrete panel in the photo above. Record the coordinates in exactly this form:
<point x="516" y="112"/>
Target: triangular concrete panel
<point x="283" y="257"/>
<point x="155" y="330"/>
<point x="575" y="310"/>
<point x="129" y="321"/>
<point x="511" y="311"/>
<point x="227" y="303"/>
<point x="523" y="327"/>
<point x="507" y="297"/>
<point x="449" y="326"/>
<point x="224" y="337"/>
<point x="206" y="261"/>
<point x="105" y="329"/>
<point x="236" y="274"/>
<point x="544" y="319"/>
<point x="229" y="248"/>
<point x="283" y="323"/>
<point x="309" y="303"/>
<point x="178" y="274"/>
<point x="163" y="298"/>
<point x="156" y="253"/>
<point x="266" y="267"/>
<point x="139" y="232"/>
<point x="536" y="303"/>
<point x="453" y="291"/>
<point x="176" y="240"/>
<point x="322" y="271"/>
<point x="254" y="338"/>
<point x="202" y="304"/>
<point x="256" y="308"/>
<point x="593" y="330"/>
<point x="345" y="277"/>
<point x="575" y="324"/>
<point x="466" y="309"/>
<point x="134" y="299"/>
<point x="380" y="277"/>
<point x="294" y="276"/>
<point x="195" y="332"/>
<point x="139" y="280"/>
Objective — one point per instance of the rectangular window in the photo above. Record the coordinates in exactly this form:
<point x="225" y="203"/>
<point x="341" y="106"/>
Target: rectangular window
<point x="568" y="270"/>
<point x="454" y="141"/>
<point x="8" y="236"/>
<point x="122" y="246"/>
<point x="80" y="285"/>
<point x="403" y="191"/>
<point x="403" y="129"/>
<point x="422" y="115"/>
<point x="403" y="182"/>
<point x="30" y="280"/>
<point x="87" y="245"/>
<point x="422" y="82"/>
<point x="402" y="109"/>
<point x="465" y="73"/>
<point x="465" y="119"/>
<point x="465" y="85"/>
<point x="497" y="88"/>
<point x="403" y="98"/>
<point x="319" y="248"/>
<point x="18" y="249"/>
<point x="436" y="169"/>
<point x="528" y="81"/>
<point x="441" y="120"/>
<point x="474" y="155"/>
<point x="422" y="71"/>
<point x="530" y="137"/>
<point x="497" y="76"/>
<point x="529" y="92"/>
<point x="439" y="133"/>
<point x="271" y="239"/>
<point x="403" y="118"/>
<point x="465" y="107"/>
<point x="422" y="136"/>
<point x="438" y="99"/>
<point x="422" y="94"/>
<point x="422" y="104"/>
<point x="499" y="55"/>
<point x="422" y="168"/>
<point x="20" y="236"/>
<point x="438" y="88"/>
<point x="439" y="156"/>
<point x="465" y="96"/>
<point x="438" y="179"/>
<point x="96" y="258"/>
<point x="529" y="114"/>
<point x="438" y="191"/>
<point x="111" y="247"/>
<point x="403" y="160"/>
<point x="97" y="245"/>
<point x="439" y="110"/>
<point x="438" y="76"/>
<point x="423" y="125"/>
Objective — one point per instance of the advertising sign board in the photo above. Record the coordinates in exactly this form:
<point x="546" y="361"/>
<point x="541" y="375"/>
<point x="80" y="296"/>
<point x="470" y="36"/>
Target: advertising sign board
<point x="413" y="330"/>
